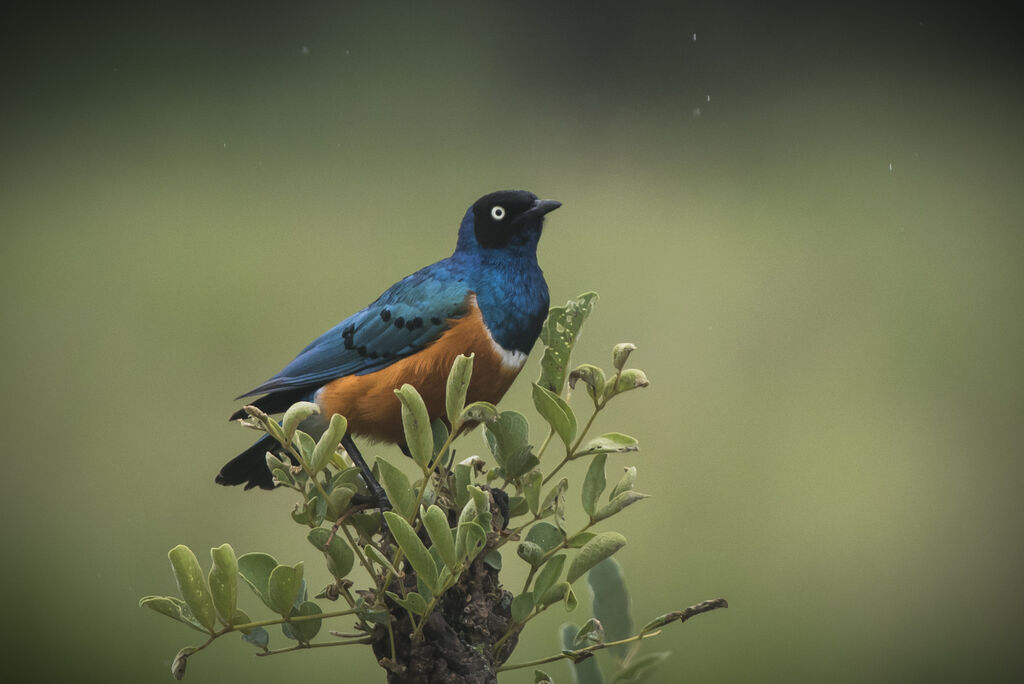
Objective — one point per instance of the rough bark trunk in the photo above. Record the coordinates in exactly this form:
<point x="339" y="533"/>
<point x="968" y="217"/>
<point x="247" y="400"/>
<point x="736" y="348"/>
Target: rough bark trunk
<point x="458" y="639"/>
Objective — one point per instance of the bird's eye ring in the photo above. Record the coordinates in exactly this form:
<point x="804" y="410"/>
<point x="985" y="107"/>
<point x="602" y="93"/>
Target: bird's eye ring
<point x="498" y="213"/>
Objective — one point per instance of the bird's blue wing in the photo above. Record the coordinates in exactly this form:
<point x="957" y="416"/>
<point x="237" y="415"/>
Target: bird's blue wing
<point x="410" y="315"/>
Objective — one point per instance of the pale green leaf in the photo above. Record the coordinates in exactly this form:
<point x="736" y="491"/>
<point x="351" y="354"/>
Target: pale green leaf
<point x="416" y="424"/>
<point x="593" y="552"/>
<point x="283" y="588"/>
<point x="593" y="484"/>
<point x="224" y="582"/>
<point x="414" y="550"/>
<point x="192" y="585"/>
<point x="558" y="414"/>
<point x="458" y="385"/>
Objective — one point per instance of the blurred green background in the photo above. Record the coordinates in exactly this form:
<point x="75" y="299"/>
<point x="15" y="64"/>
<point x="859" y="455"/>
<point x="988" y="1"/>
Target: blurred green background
<point x="808" y="220"/>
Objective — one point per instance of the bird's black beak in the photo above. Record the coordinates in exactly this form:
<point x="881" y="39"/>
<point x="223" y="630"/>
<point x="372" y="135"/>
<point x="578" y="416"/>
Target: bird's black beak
<point x="539" y="208"/>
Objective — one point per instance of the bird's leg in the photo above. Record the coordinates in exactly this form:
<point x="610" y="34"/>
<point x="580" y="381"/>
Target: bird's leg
<point x="376" y="491"/>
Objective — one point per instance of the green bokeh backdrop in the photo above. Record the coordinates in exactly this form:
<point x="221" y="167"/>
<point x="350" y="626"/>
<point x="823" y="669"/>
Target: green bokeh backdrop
<point x="808" y="222"/>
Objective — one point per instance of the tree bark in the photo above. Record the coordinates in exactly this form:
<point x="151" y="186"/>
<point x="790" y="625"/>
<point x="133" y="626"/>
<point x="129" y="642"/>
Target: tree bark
<point x="458" y="639"/>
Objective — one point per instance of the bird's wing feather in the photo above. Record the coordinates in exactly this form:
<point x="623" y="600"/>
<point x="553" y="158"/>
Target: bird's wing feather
<point x="411" y="314"/>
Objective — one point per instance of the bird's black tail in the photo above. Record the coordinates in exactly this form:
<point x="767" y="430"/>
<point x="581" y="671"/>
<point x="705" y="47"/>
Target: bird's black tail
<point x="250" y="467"/>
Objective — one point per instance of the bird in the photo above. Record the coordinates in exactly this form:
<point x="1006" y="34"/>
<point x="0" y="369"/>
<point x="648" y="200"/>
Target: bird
<point x="489" y="298"/>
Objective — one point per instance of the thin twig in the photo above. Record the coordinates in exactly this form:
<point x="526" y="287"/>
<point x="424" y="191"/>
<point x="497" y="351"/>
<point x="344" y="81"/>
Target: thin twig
<point x="655" y="625"/>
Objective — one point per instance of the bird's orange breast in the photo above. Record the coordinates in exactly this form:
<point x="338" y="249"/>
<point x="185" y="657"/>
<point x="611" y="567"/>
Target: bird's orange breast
<point x="369" y="402"/>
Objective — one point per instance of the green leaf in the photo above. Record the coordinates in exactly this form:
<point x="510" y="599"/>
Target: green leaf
<point x="436" y="522"/>
<point x="493" y="559"/>
<point x="463" y="476"/>
<point x="521" y="462"/>
<point x="611" y="603"/>
<point x="562" y="590"/>
<point x="609" y="443"/>
<point x="559" y="334"/>
<point x="242" y="618"/>
<point x="531" y="489"/>
<point x="305" y="444"/>
<point x="530" y="552"/>
<point x="224" y="582"/>
<point x="586" y="671"/>
<point x="556" y="412"/>
<point x="192" y="585"/>
<point x="378" y="615"/>
<point x="620" y="354"/>
<point x="482" y="502"/>
<point x="517" y="506"/>
<point x="414" y="549"/>
<point x="548" y="575"/>
<point x="413" y="602"/>
<point x="545" y="535"/>
<point x="339" y="555"/>
<point x="466" y="516"/>
<point x="416" y="424"/>
<point x="181" y="661"/>
<point x="592" y="632"/>
<point x="339" y="500"/>
<point x="469" y="540"/>
<point x="552" y="501"/>
<point x="257" y="636"/>
<point x="349" y="477"/>
<point x="378" y="557"/>
<point x="458" y="385"/>
<point x="328" y="442"/>
<point x="580" y="539"/>
<point x="282" y="476"/>
<point x="367" y="523"/>
<point x="570" y="597"/>
<point x="398" y="488"/>
<point x="541" y="677"/>
<point x="295" y="414"/>
<point x="479" y="412"/>
<point x="255" y="569"/>
<point x="173" y="607"/>
<point x="522" y="606"/>
<point x="629" y="379"/>
<point x="283" y="587"/>
<point x="638" y="670"/>
<point x="624" y="499"/>
<point x="303" y="631"/>
<point x="594" y="484"/>
<point x="439" y="433"/>
<point x="506" y="436"/>
<point x="593" y="552"/>
<point x="592" y="376"/>
<point x="625" y="484"/>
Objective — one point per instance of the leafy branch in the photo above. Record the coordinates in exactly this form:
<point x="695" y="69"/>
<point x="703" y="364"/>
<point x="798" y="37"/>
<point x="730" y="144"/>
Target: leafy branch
<point x="438" y="551"/>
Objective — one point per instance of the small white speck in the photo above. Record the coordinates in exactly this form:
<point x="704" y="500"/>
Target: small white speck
<point x="695" y="113"/>
<point x="346" y="52"/>
<point x="695" y="36"/>
<point x="224" y="145"/>
<point x="304" y="50"/>
<point x="890" y="167"/>
<point x="709" y="98"/>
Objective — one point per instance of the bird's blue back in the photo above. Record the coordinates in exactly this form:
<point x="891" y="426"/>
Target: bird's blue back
<point x="510" y="292"/>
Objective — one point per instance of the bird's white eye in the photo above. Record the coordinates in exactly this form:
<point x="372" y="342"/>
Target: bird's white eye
<point x="498" y="213"/>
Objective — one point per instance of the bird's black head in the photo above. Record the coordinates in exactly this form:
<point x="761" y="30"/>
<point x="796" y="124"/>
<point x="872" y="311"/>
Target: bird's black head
<point x="507" y="218"/>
